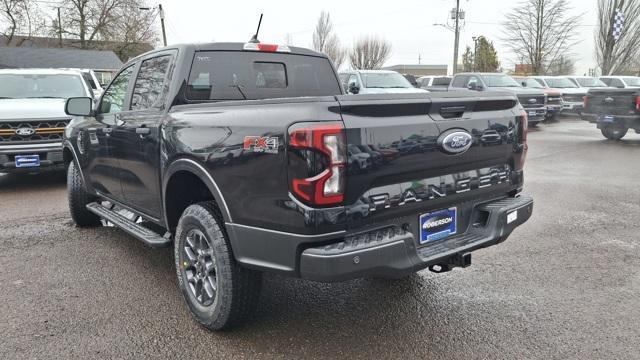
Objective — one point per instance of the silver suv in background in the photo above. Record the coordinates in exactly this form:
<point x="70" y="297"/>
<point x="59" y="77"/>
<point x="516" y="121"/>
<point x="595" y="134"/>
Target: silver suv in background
<point x="376" y="82"/>
<point x="587" y="82"/>
<point x="33" y="118"/>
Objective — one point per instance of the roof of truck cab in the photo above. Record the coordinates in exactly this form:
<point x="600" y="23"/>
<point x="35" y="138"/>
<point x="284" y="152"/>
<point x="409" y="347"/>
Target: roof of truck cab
<point x="231" y="46"/>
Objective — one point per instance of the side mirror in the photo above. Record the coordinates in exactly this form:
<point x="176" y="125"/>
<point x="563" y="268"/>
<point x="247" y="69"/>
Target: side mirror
<point x="354" y="89"/>
<point x="79" y="106"/>
<point x="524" y="84"/>
<point x="472" y="86"/>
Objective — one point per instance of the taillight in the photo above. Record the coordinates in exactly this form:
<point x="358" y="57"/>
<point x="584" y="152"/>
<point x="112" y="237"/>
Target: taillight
<point x="326" y="184"/>
<point x="266" y="47"/>
<point x="638" y="103"/>
<point x="585" y="101"/>
<point x="523" y="146"/>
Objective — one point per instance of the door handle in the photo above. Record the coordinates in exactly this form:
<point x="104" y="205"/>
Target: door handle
<point x="143" y="131"/>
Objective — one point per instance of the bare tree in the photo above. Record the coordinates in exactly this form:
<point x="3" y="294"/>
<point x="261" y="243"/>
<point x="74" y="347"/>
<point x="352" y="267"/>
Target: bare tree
<point x="540" y="31"/>
<point x="132" y="29"/>
<point x="369" y="53"/>
<point x="325" y="41"/>
<point x="614" y="56"/>
<point x="22" y="18"/>
<point x="90" y="21"/>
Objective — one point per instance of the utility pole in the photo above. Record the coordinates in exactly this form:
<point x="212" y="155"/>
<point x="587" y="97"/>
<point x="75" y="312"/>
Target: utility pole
<point x="59" y="29"/>
<point x="164" y="34"/>
<point x="456" y="38"/>
<point x="161" y="12"/>
<point x="475" y="53"/>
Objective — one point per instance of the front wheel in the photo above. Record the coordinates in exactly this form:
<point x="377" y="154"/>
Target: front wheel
<point x="217" y="290"/>
<point x="614" y="133"/>
<point x="79" y="197"/>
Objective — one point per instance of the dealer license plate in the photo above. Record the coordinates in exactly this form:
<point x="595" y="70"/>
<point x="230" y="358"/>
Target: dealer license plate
<point x="27" y="161"/>
<point x="438" y="225"/>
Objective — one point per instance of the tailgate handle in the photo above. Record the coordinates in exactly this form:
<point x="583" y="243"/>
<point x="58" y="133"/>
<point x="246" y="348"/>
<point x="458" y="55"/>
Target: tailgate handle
<point x="448" y="112"/>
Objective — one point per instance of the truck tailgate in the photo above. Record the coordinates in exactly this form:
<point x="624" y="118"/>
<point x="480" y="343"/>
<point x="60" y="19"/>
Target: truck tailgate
<point x="611" y="102"/>
<point x="414" y="173"/>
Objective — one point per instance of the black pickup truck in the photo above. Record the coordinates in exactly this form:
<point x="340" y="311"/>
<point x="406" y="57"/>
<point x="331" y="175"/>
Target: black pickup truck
<point x="236" y="154"/>
<point x="615" y="111"/>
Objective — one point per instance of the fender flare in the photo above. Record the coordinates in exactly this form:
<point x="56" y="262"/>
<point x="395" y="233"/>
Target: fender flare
<point x="197" y="169"/>
<point x="67" y="145"/>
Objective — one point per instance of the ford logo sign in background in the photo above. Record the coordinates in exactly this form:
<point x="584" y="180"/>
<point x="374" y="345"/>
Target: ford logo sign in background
<point x="25" y="131"/>
<point x="455" y="141"/>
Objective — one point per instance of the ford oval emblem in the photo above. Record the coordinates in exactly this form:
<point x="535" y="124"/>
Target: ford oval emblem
<point x="533" y="101"/>
<point x="455" y="141"/>
<point x="25" y="131"/>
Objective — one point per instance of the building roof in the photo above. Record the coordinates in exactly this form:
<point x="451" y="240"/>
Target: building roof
<point x="28" y="57"/>
<point x="416" y="67"/>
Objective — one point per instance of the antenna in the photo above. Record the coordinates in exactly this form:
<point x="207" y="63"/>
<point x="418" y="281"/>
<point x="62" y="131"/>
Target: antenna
<point x="254" y="39"/>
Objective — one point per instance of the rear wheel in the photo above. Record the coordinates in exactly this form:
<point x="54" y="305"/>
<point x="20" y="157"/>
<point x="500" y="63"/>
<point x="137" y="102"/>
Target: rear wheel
<point x="614" y="132"/>
<point x="217" y="290"/>
<point x="79" y="198"/>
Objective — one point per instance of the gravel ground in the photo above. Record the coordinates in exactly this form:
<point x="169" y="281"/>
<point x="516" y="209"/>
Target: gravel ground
<point x="566" y="285"/>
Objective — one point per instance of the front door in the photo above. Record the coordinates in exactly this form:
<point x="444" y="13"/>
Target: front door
<point x="103" y="167"/>
<point x="138" y="132"/>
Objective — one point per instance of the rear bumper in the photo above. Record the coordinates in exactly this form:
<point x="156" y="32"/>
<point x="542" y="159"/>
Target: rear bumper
<point x="390" y="249"/>
<point x="50" y="156"/>
<point x="630" y="122"/>
<point x="391" y="252"/>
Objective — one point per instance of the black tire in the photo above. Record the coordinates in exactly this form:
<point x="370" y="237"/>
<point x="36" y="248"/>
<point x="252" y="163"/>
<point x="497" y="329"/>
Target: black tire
<point x="613" y="132"/>
<point x="79" y="198"/>
<point x="236" y="290"/>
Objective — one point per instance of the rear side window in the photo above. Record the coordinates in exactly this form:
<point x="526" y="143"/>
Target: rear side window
<point x="237" y="75"/>
<point x="441" y="81"/>
<point x="149" y="85"/>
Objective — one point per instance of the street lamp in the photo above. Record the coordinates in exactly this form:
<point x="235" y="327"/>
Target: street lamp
<point x="161" y="12"/>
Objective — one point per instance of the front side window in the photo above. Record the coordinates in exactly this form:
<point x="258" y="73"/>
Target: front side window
<point x="460" y="81"/>
<point x="114" y="96"/>
<point x="30" y="86"/>
<point x="441" y="81"/>
<point x="149" y="85"/>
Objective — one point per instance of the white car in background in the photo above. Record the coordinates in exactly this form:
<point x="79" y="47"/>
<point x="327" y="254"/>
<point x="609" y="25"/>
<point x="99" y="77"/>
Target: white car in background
<point x="572" y="95"/>
<point x="588" y="82"/>
<point x="33" y="118"/>
<point x="376" y="82"/>
<point x="621" y="82"/>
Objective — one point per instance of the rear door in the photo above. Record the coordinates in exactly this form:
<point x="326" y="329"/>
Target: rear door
<point x="429" y="178"/>
<point x="137" y="135"/>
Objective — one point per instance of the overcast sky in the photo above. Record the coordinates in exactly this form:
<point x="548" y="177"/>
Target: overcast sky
<point x="407" y="24"/>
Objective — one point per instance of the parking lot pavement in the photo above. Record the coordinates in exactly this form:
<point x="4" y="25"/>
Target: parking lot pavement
<point x="565" y="285"/>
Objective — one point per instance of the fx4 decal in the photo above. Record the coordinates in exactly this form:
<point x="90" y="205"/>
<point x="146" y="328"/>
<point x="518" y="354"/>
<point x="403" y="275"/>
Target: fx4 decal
<point x="261" y="144"/>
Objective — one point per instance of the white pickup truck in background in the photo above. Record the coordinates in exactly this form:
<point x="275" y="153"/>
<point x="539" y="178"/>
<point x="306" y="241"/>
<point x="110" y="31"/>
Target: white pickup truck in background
<point x="32" y="116"/>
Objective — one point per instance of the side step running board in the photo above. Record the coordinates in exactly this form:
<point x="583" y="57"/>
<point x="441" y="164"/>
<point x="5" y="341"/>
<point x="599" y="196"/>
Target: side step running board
<point x="140" y="232"/>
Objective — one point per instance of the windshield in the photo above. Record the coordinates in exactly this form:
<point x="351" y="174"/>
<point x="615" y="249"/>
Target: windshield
<point x="384" y="80"/>
<point x="499" y="80"/>
<point x="530" y="83"/>
<point x="590" y="82"/>
<point x="560" y="83"/>
<point x="26" y="86"/>
<point x="631" y="81"/>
